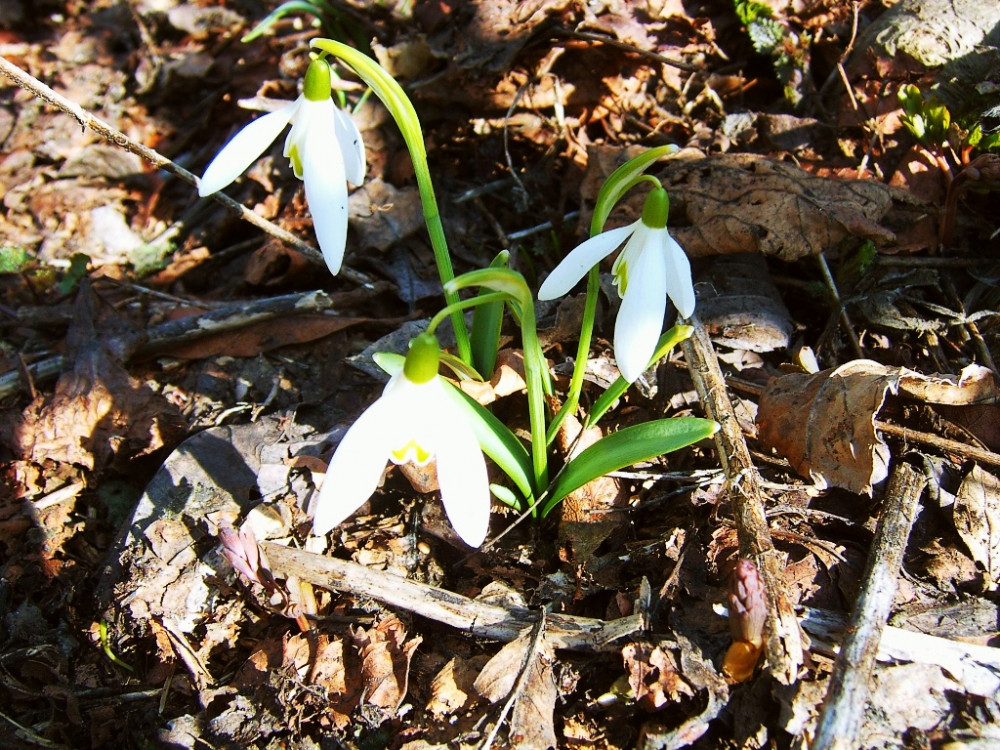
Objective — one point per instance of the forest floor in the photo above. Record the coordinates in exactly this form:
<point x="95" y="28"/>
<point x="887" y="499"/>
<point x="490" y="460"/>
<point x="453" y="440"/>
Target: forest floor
<point x="168" y="370"/>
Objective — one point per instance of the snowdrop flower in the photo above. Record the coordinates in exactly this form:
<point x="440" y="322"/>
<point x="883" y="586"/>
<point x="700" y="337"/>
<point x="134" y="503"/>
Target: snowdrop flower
<point x="325" y="150"/>
<point x="414" y="420"/>
<point x="651" y="267"/>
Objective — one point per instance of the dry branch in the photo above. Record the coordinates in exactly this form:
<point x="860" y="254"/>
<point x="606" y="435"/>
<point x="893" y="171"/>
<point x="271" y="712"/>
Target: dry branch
<point x="844" y="706"/>
<point x="782" y="638"/>
<point x="473" y="616"/>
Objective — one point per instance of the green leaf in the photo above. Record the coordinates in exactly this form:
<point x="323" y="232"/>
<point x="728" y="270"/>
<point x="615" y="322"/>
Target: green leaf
<point x="498" y="442"/>
<point x="664" y="345"/>
<point x="640" y="442"/>
<point x="13" y="259"/>
<point x="319" y="9"/>
<point x="76" y="271"/>
<point x="486" y="322"/>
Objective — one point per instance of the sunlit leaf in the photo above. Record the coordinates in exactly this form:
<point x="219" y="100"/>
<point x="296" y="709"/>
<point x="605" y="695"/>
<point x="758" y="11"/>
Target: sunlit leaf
<point x="666" y="343"/>
<point x="486" y="323"/>
<point x="640" y="442"/>
<point x="498" y="442"/>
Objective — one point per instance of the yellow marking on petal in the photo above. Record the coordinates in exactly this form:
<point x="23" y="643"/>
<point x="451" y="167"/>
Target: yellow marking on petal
<point x="620" y="271"/>
<point x="411" y="452"/>
<point x="295" y="160"/>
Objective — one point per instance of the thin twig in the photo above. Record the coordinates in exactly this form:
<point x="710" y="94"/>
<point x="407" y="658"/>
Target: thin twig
<point x="113" y="135"/>
<point x="471" y="615"/>
<point x="831" y="286"/>
<point x="975" y="666"/>
<point x="611" y="42"/>
<point x="782" y="638"/>
<point x="844" y="706"/>
<point x="528" y="663"/>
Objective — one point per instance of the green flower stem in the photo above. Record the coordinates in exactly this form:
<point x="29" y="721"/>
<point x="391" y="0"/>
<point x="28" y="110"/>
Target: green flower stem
<point x="582" y="354"/>
<point x="465" y="304"/>
<point x="392" y="95"/>
<point x="538" y="385"/>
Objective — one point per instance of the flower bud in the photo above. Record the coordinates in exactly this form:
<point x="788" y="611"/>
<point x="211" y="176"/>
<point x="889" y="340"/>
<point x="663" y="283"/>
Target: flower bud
<point x="747" y="604"/>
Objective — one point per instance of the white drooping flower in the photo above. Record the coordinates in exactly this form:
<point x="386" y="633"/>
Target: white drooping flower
<point x="325" y="149"/>
<point x="413" y="421"/>
<point x="651" y="267"/>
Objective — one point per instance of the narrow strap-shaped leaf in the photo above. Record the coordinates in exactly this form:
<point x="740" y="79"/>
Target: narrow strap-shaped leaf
<point x="498" y="442"/>
<point x="640" y="442"/>
<point x="486" y="323"/>
<point x="319" y="9"/>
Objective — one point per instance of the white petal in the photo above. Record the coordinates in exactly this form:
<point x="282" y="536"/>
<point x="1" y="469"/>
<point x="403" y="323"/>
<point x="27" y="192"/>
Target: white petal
<point x="244" y="148"/>
<point x="326" y="185"/>
<point x="581" y="259"/>
<point x="640" y="318"/>
<point x="352" y="147"/>
<point x="356" y="466"/>
<point x="461" y="471"/>
<point x="679" y="284"/>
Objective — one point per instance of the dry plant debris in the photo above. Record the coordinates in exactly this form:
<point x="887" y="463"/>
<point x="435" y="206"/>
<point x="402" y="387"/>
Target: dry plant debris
<point x="175" y="373"/>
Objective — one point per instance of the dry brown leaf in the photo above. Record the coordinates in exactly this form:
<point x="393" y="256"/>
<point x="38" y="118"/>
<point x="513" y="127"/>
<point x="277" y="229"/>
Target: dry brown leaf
<point x="977" y="519"/>
<point x="590" y="514"/>
<point x="385" y="662"/>
<point x="738" y="203"/>
<point x="740" y="305"/>
<point x="532" y="723"/>
<point x="382" y="215"/>
<point x="746" y="203"/>
<point x="263" y="336"/>
<point x="824" y="424"/>
<point x="452" y="687"/>
<point x="654" y="676"/>
<point x="98" y="411"/>
<point x="498" y="677"/>
<point x="973" y="385"/>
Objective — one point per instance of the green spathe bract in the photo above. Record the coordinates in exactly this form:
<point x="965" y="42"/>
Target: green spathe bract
<point x="621" y="181"/>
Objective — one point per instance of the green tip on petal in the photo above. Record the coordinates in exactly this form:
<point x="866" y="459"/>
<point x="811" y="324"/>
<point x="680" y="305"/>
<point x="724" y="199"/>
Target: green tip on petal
<point x="423" y="359"/>
<point x="656" y="209"/>
<point x="317" y="84"/>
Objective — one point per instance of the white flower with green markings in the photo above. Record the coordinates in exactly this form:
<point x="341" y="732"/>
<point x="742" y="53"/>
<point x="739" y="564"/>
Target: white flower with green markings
<point x="651" y="267"/>
<point x="325" y="149"/>
<point x="413" y="421"/>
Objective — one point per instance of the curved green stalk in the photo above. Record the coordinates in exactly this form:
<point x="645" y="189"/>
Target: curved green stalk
<point x="582" y="354"/>
<point x="535" y="372"/>
<point x="392" y="95"/>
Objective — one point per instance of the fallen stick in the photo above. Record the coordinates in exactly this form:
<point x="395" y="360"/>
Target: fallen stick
<point x="782" y="640"/>
<point x="975" y="666"/>
<point x="474" y="617"/>
<point x="844" y="705"/>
